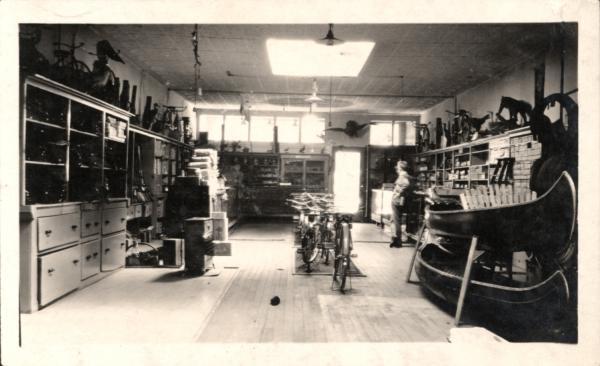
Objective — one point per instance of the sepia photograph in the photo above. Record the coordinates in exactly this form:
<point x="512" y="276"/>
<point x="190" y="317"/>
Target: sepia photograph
<point x="334" y="188"/>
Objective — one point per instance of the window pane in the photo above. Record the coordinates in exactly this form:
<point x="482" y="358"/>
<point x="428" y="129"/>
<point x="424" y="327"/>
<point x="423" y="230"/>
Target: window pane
<point x="405" y="133"/>
<point x="236" y="129"/>
<point x="312" y="129"/>
<point x="380" y="133"/>
<point x="211" y="124"/>
<point x="288" y="129"/>
<point x="261" y="129"/>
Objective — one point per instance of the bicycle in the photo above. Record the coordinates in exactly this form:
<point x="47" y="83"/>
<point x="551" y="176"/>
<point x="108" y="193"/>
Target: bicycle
<point x="342" y="251"/>
<point x="310" y="232"/>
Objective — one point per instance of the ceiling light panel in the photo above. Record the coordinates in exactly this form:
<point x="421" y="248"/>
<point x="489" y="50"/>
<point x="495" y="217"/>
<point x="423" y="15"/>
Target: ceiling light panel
<point x="308" y="58"/>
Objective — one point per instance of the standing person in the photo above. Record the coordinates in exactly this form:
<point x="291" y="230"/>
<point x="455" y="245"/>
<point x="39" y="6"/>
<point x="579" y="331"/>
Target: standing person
<point x="402" y="189"/>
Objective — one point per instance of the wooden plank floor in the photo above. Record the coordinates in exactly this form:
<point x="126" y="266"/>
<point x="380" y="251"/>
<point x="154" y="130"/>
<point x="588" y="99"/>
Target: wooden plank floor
<point x="380" y="308"/>
<point x="156" y="304"/>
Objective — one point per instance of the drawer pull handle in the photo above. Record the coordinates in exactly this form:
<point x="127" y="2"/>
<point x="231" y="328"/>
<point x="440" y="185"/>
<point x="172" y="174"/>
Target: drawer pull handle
<point x="75" y="261"/>
<point x="107" y="222"/>
<point x="122" y="219"/>
<point x="50" y="270"/>
<point x="96" y="223"/>
<point x="87" y="258"/>
<point x="106" y="250"/>
<point x="74" y="227"/>
<point x="48" y="232"/>
<point x="122" y="244"/>
<point x="95" y="254"/>
<point x="88" y="224"/>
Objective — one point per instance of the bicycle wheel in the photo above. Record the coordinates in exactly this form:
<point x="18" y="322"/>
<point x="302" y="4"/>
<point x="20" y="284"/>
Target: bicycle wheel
<point x="344" y="264"/>
<point x="312" y="250"/>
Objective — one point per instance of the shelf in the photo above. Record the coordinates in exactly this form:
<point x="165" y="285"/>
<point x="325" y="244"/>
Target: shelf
<point x="460" y="155"/>
<point x="479" y="152"/>
<point x="47" y="124"/>
<point x="43" y="163"/>
<point x="85" y="167"/>
<point x="85" y="133"/>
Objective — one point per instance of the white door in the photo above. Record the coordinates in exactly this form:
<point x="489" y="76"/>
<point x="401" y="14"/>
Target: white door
<point x="346" y="180"/>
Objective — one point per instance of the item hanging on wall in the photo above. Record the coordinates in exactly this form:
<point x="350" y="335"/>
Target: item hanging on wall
<point x="31" y="60"/>
<point x="133" y="98"/>
<point x="115" y="94"/>
<point x="439" y="132"/>
<point x="103" y="77"/>
<point x="124" y="98"/>
<point x="147" y="111"/>
<point x="352" y="129"/>
<point x="67" y="69"/>
<point x="516" y="108"/>
<point x="423" y="138"/>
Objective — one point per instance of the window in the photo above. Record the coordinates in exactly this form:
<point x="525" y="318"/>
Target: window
<point x="211" y="124"/>
<point x="288" y="129"/>
<point x="236" y="129"/>
<point x="261" y="129"/>
<point x="381" y="133"/>
<point x="312" y="129"/>
<point x="392" y="133"/>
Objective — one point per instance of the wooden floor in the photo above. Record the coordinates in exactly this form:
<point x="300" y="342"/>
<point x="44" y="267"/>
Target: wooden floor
<point x="144" y="305"/>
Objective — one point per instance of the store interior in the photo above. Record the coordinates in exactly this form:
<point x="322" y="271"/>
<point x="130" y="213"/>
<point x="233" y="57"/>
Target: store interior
<point x="244" y="183"/>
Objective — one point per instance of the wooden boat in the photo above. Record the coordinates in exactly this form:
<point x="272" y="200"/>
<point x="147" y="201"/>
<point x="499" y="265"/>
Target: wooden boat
<point x="543" y="225"/>
<point x="442" y="274"/>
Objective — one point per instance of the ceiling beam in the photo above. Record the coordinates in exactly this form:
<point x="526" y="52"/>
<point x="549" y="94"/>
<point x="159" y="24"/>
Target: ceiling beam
<point x="324" y="94"/>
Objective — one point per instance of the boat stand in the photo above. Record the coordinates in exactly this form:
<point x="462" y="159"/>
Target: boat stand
<point x="417" y="245"/>
<point x="465" y="281"/>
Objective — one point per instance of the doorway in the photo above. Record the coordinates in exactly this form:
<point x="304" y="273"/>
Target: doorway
<point x="348" y="181"/>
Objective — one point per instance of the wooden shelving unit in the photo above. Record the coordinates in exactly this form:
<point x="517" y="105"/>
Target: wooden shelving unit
<point x="471" y="164"/>
<point x="73" y="190"/>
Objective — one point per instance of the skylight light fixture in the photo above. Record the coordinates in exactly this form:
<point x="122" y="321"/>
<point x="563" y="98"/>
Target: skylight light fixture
<point x="310" y="59"/>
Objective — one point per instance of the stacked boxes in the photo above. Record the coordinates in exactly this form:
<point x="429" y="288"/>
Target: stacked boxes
<point x="204" y="164"/>
<point x="525" y="151"/>
<point x="220" y="226"/>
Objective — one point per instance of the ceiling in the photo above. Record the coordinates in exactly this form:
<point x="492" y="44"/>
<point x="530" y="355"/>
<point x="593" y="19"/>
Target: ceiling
<point x="411" y="68"/>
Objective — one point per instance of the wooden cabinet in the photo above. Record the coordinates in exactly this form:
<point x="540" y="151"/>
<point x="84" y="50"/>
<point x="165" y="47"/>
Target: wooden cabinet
<point x="59" y="273"/>
<point x="73" y="180"/>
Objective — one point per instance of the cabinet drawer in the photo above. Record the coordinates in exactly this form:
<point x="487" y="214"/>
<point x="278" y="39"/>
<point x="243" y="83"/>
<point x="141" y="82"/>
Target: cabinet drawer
<point x="90" y="223"/>
<point x="90" y="259"/>
<point x="114" y="219"/>
<point x="57" y="230"/>
<point x="60" y="273"/>
<point x="113" y="252"/>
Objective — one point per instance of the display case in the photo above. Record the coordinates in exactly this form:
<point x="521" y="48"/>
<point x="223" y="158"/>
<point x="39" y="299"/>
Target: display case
<point x="305" y="172"/>
<point x="74" y="145"/>
<point x="259" y="169"/>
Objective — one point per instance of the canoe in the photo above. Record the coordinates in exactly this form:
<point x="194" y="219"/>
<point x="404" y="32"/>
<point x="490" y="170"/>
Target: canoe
<point x="441" y="273"/>
<point x="544" y="225"/>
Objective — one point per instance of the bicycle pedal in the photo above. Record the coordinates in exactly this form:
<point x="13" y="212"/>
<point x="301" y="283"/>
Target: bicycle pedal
<point x="353" y="255"/>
